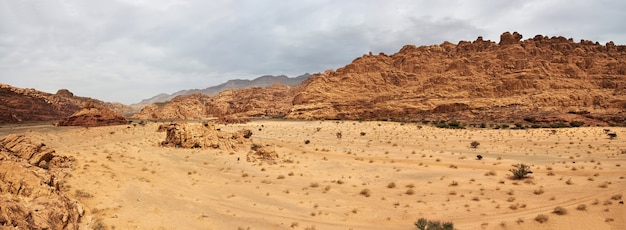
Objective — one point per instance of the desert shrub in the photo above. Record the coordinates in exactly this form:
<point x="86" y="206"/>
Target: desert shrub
<point x="612" y="135"/>
<point x="576" y="124"/>
<point x="582" y="207"/>
<point x="483" y="125"/>
<point x="421" y="223"/>
<point x="391" y="185"/>
<point x="366" y="192"/>
<point x="559" y="211"/>
<point x="433" y="225"/>
<point x="475" y="144"/>
<point x="520" y="171"/>
<point x="535" y="126"/>
<point x="424" y="224"/>
<point x="541" y="218"/>
<point x="306" y="142"/>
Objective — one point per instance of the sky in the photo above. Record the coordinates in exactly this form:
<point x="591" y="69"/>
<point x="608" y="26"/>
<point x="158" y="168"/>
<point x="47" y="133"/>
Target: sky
<point x="129" y="50"/>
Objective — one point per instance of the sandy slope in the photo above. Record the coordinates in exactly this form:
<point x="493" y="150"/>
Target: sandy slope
<point x="126" y="181"/>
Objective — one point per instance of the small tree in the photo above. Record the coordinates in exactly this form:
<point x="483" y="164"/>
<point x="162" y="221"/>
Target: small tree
<point x="475" y="144"/>
<point x="520" y="171"/>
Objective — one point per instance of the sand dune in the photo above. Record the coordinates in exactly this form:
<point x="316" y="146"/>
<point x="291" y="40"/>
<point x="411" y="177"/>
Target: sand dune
<point x="378" y="175"/>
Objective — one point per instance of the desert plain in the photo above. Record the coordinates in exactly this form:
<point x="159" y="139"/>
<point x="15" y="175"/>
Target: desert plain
<point x="378" y="175"/>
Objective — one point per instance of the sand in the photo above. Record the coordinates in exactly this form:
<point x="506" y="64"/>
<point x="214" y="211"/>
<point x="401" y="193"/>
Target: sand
<point x="378" y="175"/>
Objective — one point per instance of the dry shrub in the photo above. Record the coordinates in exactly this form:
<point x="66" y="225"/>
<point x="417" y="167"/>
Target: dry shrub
<point x="541" y="218"/>
<point x="232" y="120"/>
<point x="560" y="211"/>
<point x="366" y="192"/>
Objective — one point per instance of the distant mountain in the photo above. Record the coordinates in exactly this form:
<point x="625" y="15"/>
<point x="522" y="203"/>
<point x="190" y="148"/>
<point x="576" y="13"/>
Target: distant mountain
<point x="262" y="81"/>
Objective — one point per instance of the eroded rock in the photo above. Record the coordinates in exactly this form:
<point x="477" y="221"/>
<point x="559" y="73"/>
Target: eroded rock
<point x="30" y="195"/>
<point x="194" y="135"/>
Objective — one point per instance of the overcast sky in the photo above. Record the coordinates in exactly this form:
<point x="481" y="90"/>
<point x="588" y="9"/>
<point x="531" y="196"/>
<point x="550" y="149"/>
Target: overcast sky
<point x="129" y="50"/>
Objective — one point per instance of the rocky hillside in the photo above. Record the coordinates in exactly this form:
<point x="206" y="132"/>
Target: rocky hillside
<point x="538" y="80"/>
<point x="274" y="100"/>
<point x="262" y="81"/>
<point x="92" y="115"/>
<point x="22" y="105"/>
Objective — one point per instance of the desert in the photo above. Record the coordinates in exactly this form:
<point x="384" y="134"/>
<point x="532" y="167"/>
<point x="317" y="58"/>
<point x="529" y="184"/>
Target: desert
<point x="352" y="115"/>
<point x="342" y="175"/>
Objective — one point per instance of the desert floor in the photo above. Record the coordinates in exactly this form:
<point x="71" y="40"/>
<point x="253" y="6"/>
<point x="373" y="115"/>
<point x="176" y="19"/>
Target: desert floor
<point x="379" y="175"/>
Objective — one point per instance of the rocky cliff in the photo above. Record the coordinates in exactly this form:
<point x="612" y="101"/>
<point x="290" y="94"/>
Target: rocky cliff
<point x="92" y="115"/>
<point x="538" y="78"/>
<point x="542" y="80"/>
<point x="22" y="105"/>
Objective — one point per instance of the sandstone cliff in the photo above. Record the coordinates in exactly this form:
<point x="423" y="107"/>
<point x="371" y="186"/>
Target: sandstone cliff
<point x="478" y="81"/>
<point x="92" y="115"/>
<point x="22" y="105"/>
<point x="542" y="79"/>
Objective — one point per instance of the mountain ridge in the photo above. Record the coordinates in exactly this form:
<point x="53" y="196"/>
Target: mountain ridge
<point x="542" y="79"/>
<point x="262" y="81"/>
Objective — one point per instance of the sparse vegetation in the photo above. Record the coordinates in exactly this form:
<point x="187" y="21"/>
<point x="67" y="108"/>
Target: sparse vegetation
<point x="475" y="144"/>
<point x="559" y="211"/>
<point x="366" y="192"/>
<point x="424" y="224"/>
<point x="541" y="218"/>
<point x="520" y="171"/>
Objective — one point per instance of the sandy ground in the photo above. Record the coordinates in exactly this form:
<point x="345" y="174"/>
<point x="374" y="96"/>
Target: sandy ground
<point x="379" y="175"/>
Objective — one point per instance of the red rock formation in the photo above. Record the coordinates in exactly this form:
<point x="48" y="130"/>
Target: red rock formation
<point x="91" y="116"/>
<point x="512" y="80"/>
<point x="192" y="135"/>
<point x="479" y="81"/>
<point x="30" y="193"/>
<point x="274" y="100"/>
<point x="23" y="105"/>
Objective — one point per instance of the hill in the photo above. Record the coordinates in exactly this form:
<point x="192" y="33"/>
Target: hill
<point x="23" y="105"/>
<point x="538" y="80"/>
<point x="262" y="81"/>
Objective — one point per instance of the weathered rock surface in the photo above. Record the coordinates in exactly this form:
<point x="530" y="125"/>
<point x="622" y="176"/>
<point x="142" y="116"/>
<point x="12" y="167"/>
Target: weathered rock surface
<point x="475" y="81"/>
<point x="482" y="81"/>
<point x="274" y="100"/>
<point x="23" y="105"/>
<point x="30" y="196"/>
<point x="194" y="135"/>
<point x="91" y="116"/>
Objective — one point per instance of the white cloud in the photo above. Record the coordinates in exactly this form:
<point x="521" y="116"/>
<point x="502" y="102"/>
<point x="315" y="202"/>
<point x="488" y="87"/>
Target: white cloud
<point x="130" y="50"/>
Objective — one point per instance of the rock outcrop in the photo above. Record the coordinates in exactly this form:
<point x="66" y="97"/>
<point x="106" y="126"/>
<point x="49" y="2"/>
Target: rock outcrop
<point x="475" y="81"/>
<point x="194" y="135"/>
<point x="274" y="100"/>
<point x="30" y="194"/>
<point x="92" y="115"/>
<point x="24" y="105"/>
<point x="482" y="81"/>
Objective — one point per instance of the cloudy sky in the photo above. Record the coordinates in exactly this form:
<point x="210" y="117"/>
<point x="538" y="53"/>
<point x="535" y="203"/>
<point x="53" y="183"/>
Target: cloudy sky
<point x="128" y="50"/>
